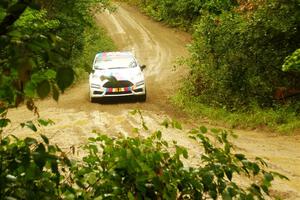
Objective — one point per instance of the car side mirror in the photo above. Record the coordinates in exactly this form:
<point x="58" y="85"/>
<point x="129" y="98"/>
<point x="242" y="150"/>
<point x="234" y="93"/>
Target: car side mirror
<point x="143" y="67"/>
<point x="92" y="71"/>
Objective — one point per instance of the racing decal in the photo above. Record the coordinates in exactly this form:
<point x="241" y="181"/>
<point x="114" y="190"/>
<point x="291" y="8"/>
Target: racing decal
<point x="104" y="56"/>
<point x="113" y="90"/>
<point x="128" y="89"/>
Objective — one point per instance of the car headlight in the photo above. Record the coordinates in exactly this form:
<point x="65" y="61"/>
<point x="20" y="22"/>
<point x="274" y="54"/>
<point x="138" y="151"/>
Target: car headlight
<point x="140" y="83"/>
<point x="97" y="86"/>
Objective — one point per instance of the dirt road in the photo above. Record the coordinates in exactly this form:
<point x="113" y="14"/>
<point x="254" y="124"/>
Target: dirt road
<point x="158" y="47"/>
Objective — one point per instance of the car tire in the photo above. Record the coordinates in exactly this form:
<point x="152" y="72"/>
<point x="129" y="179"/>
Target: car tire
<point x="92" y="100"/>
<point x="142" y="98"/>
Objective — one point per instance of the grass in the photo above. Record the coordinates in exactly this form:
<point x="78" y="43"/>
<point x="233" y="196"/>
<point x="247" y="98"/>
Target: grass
<point x="281" y="120"/>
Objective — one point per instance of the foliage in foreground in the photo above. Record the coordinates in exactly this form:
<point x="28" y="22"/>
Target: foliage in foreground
<point x="41" y="46"/>
<point x="131" y="168"/>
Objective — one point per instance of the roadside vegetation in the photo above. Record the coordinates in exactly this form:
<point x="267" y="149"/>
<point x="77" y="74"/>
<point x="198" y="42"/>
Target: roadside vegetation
<point x="44" y="46"/>
<point x="132" y="168"/>
<point x="244" y="65"/>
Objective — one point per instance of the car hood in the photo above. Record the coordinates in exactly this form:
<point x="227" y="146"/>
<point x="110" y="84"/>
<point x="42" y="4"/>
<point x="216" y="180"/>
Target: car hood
<point x="133" y="75"/>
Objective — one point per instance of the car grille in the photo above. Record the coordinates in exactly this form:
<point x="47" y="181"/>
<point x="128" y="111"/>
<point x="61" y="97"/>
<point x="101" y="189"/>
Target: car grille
<point x="114" y="93"/>
<point x="118" y="84"/>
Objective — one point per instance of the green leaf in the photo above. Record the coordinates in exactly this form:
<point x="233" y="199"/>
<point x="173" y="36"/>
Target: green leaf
<point x="55" y="92"/>
<point x="135" y="130"/>
<point x="207" y="178"/>
<point x="133" y="112"/>
<point x="256" y="168"/>
<point x="15" y="33"/>
<point x="45" y="139"/>
<point x="29" y="89"/>
<point x="30" y="125"/>
<point x="11" y="178"/>
<point x="265" y="188"/>
<point x="44" y="122"/>
<point x="214" y="130"/>
<point x="185" y="154"/>
<point x="54" y="166"/>
<point x="176" y="124"/>
<point x="64" y="77"/>
<point x="240" y="156"/>
<point x="130" y="196"/>
<point x="203" y="129"/>
<point x="43" y="89"/>
<point x="145" y="126"/>
<point x="279" y="175"/>
<point x="158" y="135"/>
<point x="2" y="111"/>
<point x="228" y="173"/>
<point x="39" y="156"/>
<point x="165" y="123"/>
<point x="268" y="177"/>
<point x="30" y="141"/>
<point x="4" y="122"/>
<point x="256" y="188"/>
<point x="50" y="74"/>
<point x="91" y="178"/>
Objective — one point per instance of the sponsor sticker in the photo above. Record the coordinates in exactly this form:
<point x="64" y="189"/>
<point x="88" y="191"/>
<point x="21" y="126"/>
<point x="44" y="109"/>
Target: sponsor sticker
<point x="113" y="90"/>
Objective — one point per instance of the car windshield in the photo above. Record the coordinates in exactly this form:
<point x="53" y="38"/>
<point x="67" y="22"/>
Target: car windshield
<point x="114" y="62"/>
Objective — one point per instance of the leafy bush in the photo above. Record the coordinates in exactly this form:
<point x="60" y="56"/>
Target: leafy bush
<point x="40" y="45"/>
<point x="292" y="62"/>
<point x="280" y="119"/>
<point x="238" y="55"/>
<point x="180" y="13"/>
<point x="238" y="52"/>
<point x="30" y="169"/>
<point x="131" y="168"/>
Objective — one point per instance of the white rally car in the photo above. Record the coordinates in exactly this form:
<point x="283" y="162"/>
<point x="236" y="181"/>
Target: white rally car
<point x="116" y="74"/>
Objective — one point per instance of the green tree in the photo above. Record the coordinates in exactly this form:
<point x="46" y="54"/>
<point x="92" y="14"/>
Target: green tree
<point x="292" y="62"/>
<point x="39" y="43"/>
<point x="238" y="54"/>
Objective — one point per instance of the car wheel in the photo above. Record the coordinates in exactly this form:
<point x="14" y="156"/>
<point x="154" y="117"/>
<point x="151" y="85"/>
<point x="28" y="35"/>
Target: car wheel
<point x="92" y="100"/>
<point x="142" y="98"/>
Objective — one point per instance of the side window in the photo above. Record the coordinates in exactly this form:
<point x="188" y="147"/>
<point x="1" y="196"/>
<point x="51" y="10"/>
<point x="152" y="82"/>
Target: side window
<point x="95" y="60"/>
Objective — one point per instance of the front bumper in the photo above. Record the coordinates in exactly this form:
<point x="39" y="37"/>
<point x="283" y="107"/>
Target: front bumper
<point x="117" y="92"/>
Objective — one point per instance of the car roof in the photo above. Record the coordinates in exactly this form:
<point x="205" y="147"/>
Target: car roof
<point x="108" y="56"/>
